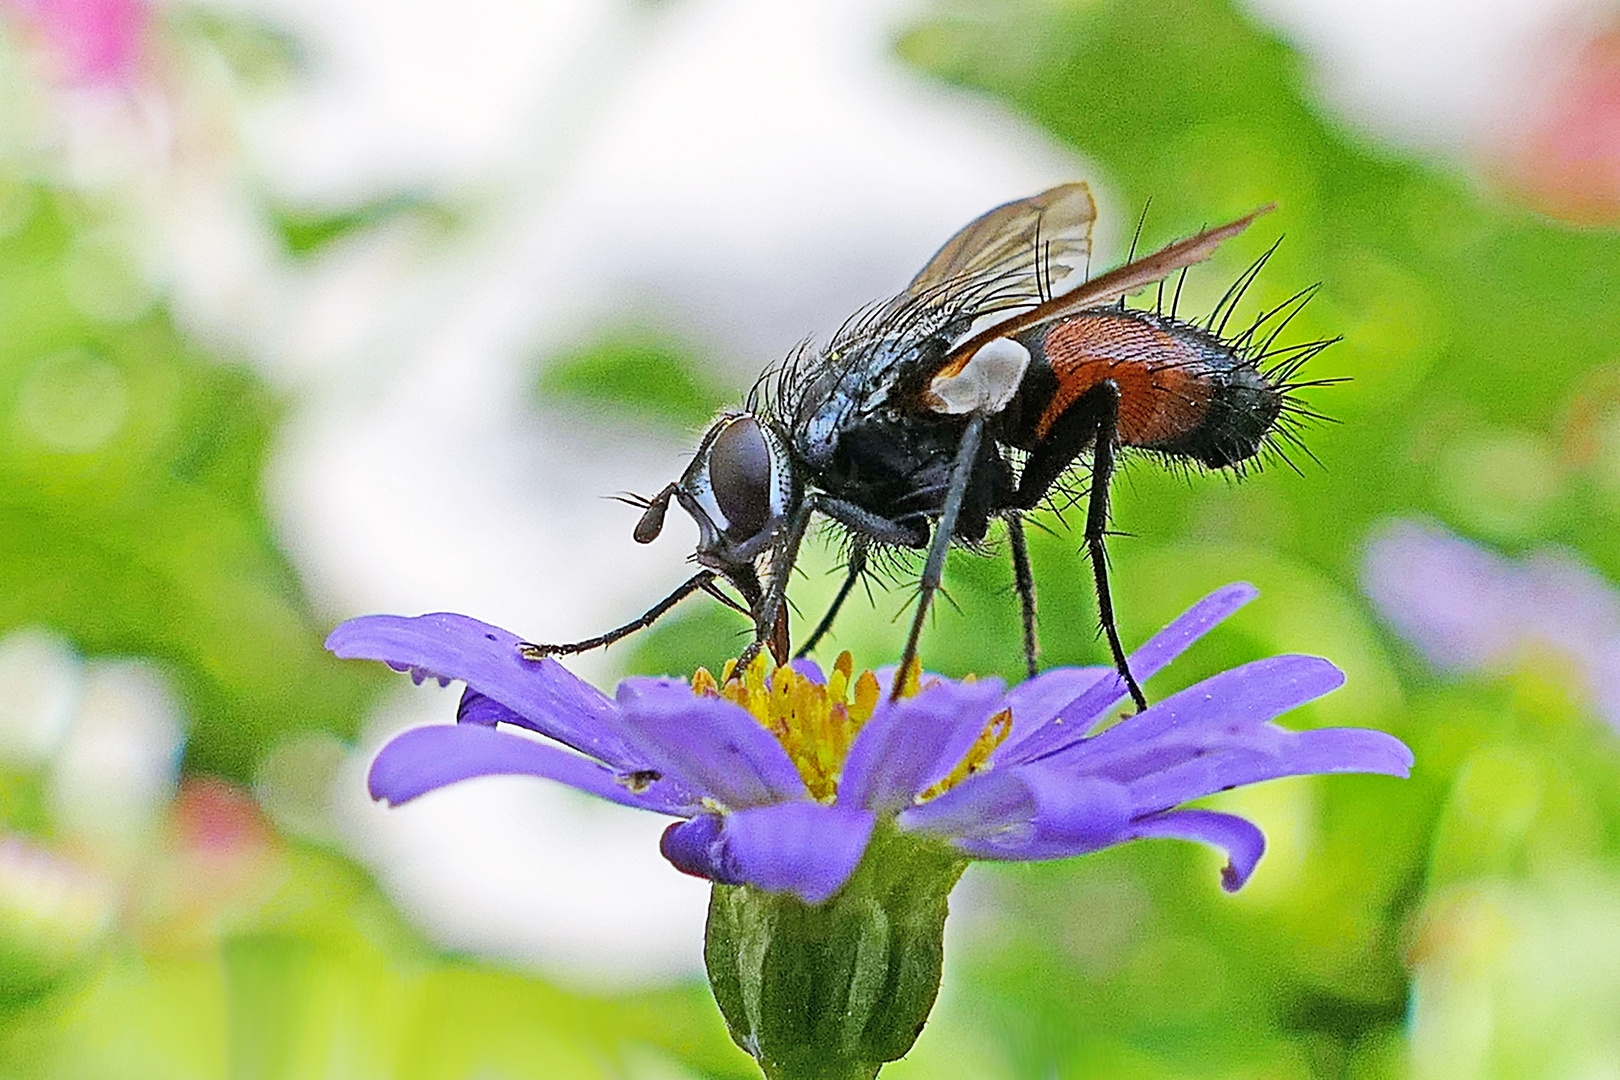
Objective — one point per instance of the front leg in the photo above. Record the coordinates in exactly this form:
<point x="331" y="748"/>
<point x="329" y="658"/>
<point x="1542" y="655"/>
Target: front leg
<point x="770" y="612"/>
<point x="702" y="581"/>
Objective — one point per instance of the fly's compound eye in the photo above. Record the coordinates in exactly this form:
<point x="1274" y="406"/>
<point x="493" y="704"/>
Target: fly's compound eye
<point x="740" y="480"/>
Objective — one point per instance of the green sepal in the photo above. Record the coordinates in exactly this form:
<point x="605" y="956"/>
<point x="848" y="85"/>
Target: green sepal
<point x="832" y="991"/>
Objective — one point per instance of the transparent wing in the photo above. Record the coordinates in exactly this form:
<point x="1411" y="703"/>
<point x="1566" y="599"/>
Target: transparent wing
<point x="1102" y="289"/>
<point x="1027" y="247"/>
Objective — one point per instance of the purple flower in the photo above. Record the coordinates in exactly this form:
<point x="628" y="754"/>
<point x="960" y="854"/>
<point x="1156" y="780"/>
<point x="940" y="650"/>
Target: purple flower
<point x="780" y="781"/>
<point x="1468" y="609"/>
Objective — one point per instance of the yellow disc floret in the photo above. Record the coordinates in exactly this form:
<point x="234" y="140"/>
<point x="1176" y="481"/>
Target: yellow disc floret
<point x="817" y="723"/>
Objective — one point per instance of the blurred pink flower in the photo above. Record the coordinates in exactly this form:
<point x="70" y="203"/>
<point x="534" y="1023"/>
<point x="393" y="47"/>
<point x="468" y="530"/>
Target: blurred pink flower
<point x="95" y="42"/>
<point x="218" y="860"/>
<point x="1564" y="156"/>
<point x="1468" y="609"/>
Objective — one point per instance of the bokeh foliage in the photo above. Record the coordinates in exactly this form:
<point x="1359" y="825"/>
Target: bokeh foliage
<point x="1482" y="342"/>
<point x="131" y="514"/>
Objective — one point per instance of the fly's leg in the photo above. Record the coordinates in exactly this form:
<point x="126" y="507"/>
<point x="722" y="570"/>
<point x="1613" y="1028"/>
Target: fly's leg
<point x="1092" y="421"/>
<point x="1102" y="471"/>
<point x="857" y="567"/>
<point x="770" y="612"/>
<point x="702" y="581"/>
<point x="870" y="526"/>
<point x="934" y="570"/>
<point x="1025" y="580"/>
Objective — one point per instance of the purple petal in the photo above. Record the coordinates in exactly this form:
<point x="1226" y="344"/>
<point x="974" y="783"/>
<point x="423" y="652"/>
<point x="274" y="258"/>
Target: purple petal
<point x="1026" y="812"/>
<point x="426" y="758"/>
<point x="1242" y="840"/>
<point x="1243" y="697"/>
<point x="697" y="847"/>
<point x="541" y="695"/>
<point x="1037" y="702"/>
<point x="910" y="744"/>
<point x="1083" y="711"/>
<point x="1188" y="627"/>
<point x="808" y="669"/>
<point x="714" y="745"/>
<point x="1266" y="754"/>
<point x="979" y="807"/>
<point x="803" y="847"/>
<point x="476" y="708"/>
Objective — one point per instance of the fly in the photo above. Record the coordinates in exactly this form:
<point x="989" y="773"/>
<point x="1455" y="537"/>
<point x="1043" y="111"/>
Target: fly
<point x="966" y="399"/>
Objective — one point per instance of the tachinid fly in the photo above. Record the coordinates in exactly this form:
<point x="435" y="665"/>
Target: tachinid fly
<point x="965" y="399"/>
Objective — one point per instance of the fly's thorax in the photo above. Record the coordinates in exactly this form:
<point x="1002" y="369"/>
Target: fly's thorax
<point x="739" y="489"/>
<point x="853" y="383"/>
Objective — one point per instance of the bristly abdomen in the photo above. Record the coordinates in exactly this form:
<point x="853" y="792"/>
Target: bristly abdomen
<point x="1184" y="391"/>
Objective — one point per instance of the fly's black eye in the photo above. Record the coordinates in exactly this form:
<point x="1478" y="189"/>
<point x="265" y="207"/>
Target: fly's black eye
<point x="740" y="477"/>
<point x="738" y="489"/>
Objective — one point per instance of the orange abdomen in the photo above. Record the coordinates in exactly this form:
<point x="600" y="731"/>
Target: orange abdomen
<point x="1164" y="387"/>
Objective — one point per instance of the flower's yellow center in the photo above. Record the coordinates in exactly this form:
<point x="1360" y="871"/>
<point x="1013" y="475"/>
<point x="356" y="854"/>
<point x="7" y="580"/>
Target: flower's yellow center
<point x="817" y="723"/>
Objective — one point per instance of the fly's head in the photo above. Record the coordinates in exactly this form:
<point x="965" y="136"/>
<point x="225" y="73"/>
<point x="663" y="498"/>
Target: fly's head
<point x="740" y="489"/>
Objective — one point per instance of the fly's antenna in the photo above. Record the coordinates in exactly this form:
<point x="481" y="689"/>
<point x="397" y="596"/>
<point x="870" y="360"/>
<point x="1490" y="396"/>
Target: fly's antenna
<point x="653" y="510"/>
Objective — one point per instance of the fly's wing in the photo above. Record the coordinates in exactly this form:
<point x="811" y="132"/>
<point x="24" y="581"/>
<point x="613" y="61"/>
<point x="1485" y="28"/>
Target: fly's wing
<point x="1005" y="261"/>
<point x="1022" y="249"/>
<point x="1089" y="294"/>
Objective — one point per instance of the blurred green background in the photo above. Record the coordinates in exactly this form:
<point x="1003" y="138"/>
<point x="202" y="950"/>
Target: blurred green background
<point x="1461" y="924"/>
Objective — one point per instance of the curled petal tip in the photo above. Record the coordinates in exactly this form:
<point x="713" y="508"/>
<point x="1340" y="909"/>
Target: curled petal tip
<point x="1233" y="878"/>
<point x="379" y="788"/>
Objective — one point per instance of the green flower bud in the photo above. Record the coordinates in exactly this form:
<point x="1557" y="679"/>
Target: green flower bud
<point x="833" y="991"/>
